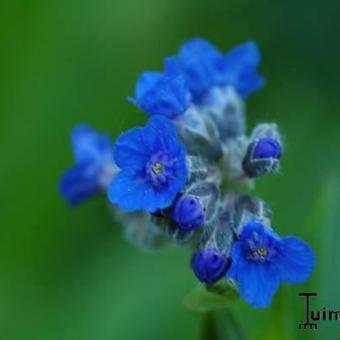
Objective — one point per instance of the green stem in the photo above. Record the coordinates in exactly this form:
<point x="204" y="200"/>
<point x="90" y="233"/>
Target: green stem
<point x="221" y="325"/>
<point x="209" y="327"/>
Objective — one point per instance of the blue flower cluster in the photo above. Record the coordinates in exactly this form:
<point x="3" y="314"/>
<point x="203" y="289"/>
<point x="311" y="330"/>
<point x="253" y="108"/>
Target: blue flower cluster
<point x="179" y="178"/>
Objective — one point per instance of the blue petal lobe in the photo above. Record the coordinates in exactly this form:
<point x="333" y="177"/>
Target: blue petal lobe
<point x="78" y="183"/>
<point x="202" y="65"/>
<point x="295" y="260"/>
<point x="132" y="193"/>
<point x="240" y="69"/>
<point x="146" y="83"/>
<point x="163" y="93"/>
<point x="159" y="134"/>
<point x="128" y="149"/>
<point x="258" y="283"/>
<point x="243" y="57"/>
<point x="127" y="191"/>
<point x="88" y="145"/>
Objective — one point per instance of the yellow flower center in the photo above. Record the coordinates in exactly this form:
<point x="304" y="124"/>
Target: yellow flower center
<point x="157" y="168"/>
<point x="262" y="251"/>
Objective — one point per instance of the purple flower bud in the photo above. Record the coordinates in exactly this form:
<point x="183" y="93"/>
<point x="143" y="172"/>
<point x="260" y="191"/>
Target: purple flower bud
<point x="262" y="157"/>
<point x="209" y="265"/>
<point x="188" y="212"/>
<point x="267" y="148"/>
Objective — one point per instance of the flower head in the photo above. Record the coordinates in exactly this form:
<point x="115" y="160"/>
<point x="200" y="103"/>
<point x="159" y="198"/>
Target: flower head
<point x="186" y="194"/>
<point x="188" y="212"/>
<point x="153" y="167"/>
<point x="94" y="166"/>
<point x="162" y="93"/>
<point x="209" y="265"/>
<point x="204" y="67"/>
<point x="261" y="260"/>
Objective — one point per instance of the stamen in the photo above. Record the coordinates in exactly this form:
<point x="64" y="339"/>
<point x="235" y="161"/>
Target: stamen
<point x="157" y="168"/>
<point x="262" y="251"/>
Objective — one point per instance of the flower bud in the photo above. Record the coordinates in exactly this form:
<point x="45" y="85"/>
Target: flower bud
<point x="209" y="265"/>
<point x="267" y="148"/>
<point x="262" y="157"/>
<point x="188" y="212"/>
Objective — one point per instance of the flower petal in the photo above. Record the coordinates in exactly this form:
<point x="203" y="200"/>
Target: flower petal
<point x="240" y="69"/>
<point x="257" y="283"/>
<point x="202" y="65"/>
<point x="128" y="149"/>
<point x="131" y="193"/>
<point x="127" y="191"/>
<point x="89" y="145"/>
<point x="146" y="83"/>
<point x="159" y="134"/>
<point x="78" y="183"/>
<point x="295" y="260"/>
<point x="243" y="57"/>
<point x="163" y="93"/>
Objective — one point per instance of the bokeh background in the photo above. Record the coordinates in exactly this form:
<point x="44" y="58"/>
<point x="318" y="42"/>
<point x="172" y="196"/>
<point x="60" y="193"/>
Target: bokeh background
<point x="68" y="274"/>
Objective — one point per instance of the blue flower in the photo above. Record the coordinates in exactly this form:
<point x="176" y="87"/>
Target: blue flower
<point x="261" y="260"/>
<point x="153" y="167"/>
<point x="188" y="212"/>
<point x="209" y="265"/>
<point x="162" y="93"/>
<point x="204" y="66"/>
<point x="94" y="165"/>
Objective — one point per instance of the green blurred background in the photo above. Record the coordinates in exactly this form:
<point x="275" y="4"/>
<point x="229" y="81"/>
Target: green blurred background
<point x="68" y="274"/>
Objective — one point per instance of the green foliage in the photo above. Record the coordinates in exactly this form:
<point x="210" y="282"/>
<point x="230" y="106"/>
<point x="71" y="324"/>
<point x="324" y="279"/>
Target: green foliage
<point x="203" y="299"/>
<point x="221" y="326"/>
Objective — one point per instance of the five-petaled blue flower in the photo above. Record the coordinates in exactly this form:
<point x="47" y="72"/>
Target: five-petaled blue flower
<point x="162" y="93"/>
<point x="261" y="260"/>
<point x="153" y="167"/>
<point x="204" y="66"/>
<point x="94" y="165"/>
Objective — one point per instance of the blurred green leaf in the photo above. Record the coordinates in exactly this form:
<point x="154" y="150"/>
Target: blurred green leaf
<point x="325" y="224"/>
<point x="203" y="299"/>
